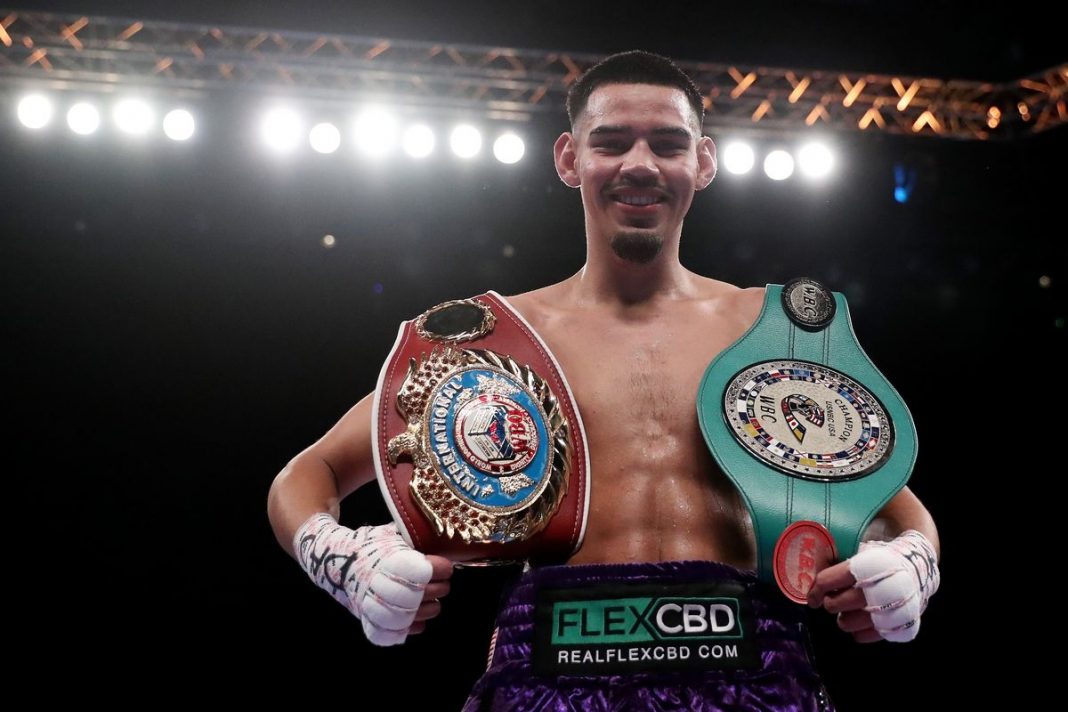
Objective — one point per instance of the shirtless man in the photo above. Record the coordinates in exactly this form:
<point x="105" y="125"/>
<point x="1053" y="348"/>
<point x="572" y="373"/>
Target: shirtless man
<point x="633" y="331"/>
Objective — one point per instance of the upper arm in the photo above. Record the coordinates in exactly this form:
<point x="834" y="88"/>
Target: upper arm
<point x="347" y="448"/>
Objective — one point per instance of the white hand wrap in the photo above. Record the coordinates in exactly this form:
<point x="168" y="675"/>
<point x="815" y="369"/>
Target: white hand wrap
<point x="371" y="571"/>
<point x="897" y="578"/>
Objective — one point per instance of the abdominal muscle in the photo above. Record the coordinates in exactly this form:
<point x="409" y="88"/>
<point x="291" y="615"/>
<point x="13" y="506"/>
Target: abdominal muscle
<point x="656" y="494"/>
<point x="648" y="507"/>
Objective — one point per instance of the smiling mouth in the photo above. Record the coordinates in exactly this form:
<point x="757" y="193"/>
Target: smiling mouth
<point x="638" y="200"/>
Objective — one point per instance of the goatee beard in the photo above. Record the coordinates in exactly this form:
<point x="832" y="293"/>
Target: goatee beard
<point x="638" y="247"/>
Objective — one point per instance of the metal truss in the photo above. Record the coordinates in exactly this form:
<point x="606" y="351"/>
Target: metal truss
<point x="107" y="53"/>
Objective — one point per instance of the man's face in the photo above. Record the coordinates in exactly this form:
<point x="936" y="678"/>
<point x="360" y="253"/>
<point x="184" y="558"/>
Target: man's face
<point x="637" y="156"/>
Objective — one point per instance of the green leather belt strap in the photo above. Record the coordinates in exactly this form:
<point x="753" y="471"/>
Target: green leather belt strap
<point x="777" y="498"/>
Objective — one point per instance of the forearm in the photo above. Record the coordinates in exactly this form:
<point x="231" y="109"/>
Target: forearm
<point x="304" y="487"/>
<point x="903" y="512"/>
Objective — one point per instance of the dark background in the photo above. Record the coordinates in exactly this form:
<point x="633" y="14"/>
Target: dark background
<point x="175" y="331"/>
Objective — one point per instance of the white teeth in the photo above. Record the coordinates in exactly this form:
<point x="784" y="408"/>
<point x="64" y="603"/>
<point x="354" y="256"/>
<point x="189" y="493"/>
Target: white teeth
<point x="634" y="200"/>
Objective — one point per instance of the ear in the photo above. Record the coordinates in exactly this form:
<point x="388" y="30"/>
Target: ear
<point x="564" y="158"/>
<point x="706" y="162"/>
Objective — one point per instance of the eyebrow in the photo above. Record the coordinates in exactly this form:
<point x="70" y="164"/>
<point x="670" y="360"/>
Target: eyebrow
<point x="676" y="131"/>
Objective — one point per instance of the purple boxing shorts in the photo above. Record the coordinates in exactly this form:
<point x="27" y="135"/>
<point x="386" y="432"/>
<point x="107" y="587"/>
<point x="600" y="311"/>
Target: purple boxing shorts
<point x="678" y="635"/>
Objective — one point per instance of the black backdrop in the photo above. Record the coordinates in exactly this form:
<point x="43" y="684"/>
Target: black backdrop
<point x="175" y="331"/>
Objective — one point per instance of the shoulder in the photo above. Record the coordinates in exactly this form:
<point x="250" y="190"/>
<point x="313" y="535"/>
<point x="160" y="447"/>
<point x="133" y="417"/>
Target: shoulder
<point x="749" y="301"/>
<point x="538" y="304"/>
<point x="746" y="302"/>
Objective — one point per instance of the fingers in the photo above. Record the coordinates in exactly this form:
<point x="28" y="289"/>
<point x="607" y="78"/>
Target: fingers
<point x="859" y="624"/>
<point x="408" y="566"/>
<point x="851" y="599"/>
<point x="391" y="601"/>
<point x="400" y="580"/>
<point x="436" y="589"/>
<point x="894" y="627"/>
<point x="855" y="621"/>
<point x="380" y="635"/>
<point x="403" y="595"/>
<point x="867" y="636"/>
<point x="442" y="568"/>
<point x="428" y="610"/>
<point x="832" y="578"/>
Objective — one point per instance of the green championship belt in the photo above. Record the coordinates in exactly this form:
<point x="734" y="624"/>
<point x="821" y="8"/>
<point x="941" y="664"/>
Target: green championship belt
<point x="812" y="435"/>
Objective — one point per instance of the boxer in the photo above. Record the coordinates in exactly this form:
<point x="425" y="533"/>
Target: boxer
<point x="659" y="607"/>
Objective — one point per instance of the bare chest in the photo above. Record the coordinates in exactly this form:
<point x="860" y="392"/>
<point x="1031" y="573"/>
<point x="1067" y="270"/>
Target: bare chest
<point x="636" y="379"/>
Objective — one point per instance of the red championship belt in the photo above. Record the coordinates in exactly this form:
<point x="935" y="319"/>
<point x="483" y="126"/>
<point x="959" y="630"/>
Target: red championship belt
<point x="479" y="447"/>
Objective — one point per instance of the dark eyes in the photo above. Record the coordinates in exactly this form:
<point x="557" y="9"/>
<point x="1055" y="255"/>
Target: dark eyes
<point x="670" y="148"/>
<point x="662" y="149"/>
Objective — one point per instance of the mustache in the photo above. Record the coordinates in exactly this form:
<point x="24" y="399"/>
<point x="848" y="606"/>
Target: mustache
<point x="638" y="183"/>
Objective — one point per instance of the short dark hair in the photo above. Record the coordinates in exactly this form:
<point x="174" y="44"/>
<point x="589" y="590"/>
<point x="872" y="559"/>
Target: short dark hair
<point x="634" y="67"/>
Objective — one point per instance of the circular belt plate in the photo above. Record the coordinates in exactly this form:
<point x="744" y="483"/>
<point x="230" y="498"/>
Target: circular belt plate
<point x="808" y="303"/>
<point x="488" y="439"/>
<point x="808" y="420"/>
<point x="803" y="550"/>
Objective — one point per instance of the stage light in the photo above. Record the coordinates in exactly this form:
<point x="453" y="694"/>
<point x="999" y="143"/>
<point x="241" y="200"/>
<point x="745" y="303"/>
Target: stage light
<point x="178" y="125"/>
<point x="418" y="141"/>
<point x="815" y="160"/>
<point x="325" y="138"/>
<point x="465" y="141"/>
<point x="508" y="148"/>
<point x="376" y="132"/>
<point x="281" y="130"/>
<point x="738" y="158"/>
<point x="778" y="165"/>
<point x="133" y="116"/>
<point x="35" y="111"/>
<point x="83" y="118"/>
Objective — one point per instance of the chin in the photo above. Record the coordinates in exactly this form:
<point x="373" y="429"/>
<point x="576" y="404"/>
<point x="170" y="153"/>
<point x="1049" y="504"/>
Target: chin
<point x="637" y="246"/>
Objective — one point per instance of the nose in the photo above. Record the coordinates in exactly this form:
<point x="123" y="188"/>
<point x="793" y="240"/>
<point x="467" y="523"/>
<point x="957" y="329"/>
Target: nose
<point x="639" y="162"/>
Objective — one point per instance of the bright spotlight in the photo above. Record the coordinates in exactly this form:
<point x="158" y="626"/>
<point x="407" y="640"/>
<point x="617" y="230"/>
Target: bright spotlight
<point x="325" y="138"/>
<point x="465" y="141"/>
<point x="815" y="160"/>
<point x="738" y="158"/>
<point x="133" y="116"/>
<point x="281" y="130"/>
<point x="35" y="111"/>
<point x="178" y="125"/>
<point x="376" y="132"/>
<point x="508" y="148"/>
<point x="779" y="165"/>
<point x="83" y="118"/>
<point x="418" y="141"/>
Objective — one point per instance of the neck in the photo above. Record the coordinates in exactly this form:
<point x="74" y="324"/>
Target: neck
<point x="607" y="278"/>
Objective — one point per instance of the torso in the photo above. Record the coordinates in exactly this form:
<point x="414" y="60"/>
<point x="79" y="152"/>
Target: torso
<point x="656" y="492"/>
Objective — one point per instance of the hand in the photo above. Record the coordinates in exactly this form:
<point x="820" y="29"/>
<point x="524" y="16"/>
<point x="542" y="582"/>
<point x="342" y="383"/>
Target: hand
<point x="373" y="572"/>
<point x="438" y="588"/>
<point x="880" y="593"/>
